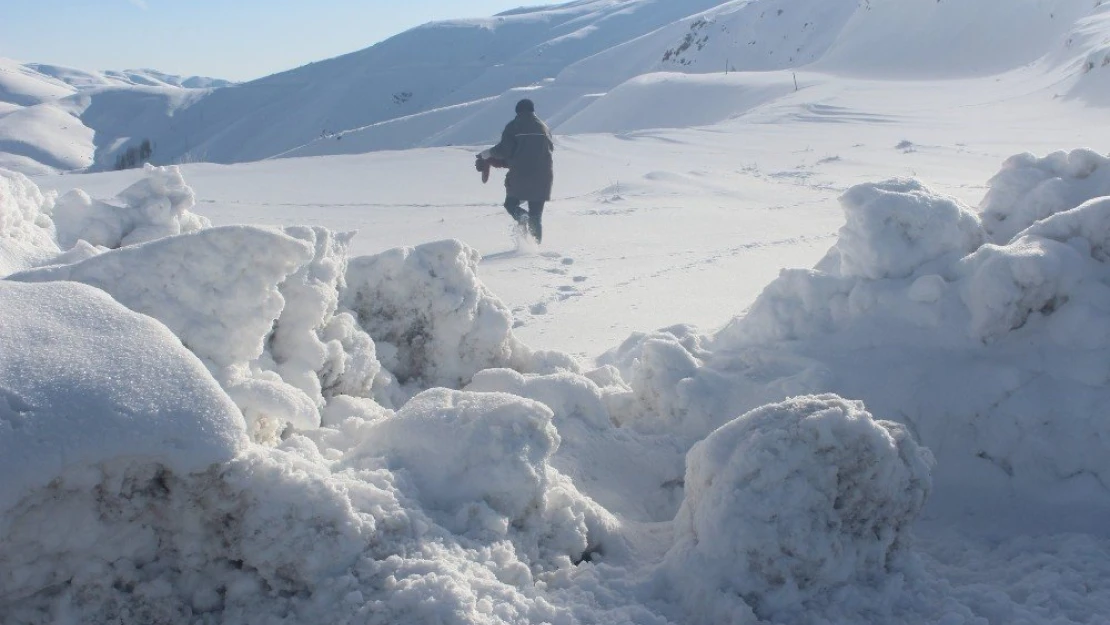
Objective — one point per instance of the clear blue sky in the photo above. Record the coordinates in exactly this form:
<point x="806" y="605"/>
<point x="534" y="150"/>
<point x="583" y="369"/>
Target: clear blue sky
<point x="233" y="39"/>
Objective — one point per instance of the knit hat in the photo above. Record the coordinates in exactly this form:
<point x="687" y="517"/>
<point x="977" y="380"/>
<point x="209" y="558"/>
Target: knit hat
<point x="525" y="106"/>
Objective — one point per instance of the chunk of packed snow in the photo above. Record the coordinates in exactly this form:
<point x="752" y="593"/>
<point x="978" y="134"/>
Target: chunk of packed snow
<point x="270" y="405"/>
<point x="895" y="227"/>
<point x="84" y="381"/>
<point x="154" y="207"/>
<point x="1005" y="285"/>
<point x="216" y="289"/>
<point x="427" y="304"/>
<point x="26" y="230"/>
<point x="568" y="395"/>
<point x="1028" y="189"/>
<point x="633" y="474"/>
<point x="1087" y="227"/>
<point x="312" y="347"/>
<point x="480" y="462"/>
<point x="790" y="501"/>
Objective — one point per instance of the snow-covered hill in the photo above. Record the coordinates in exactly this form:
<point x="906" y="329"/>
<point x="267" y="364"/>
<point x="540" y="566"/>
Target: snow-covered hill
<point x="904" y="39"/>
<point x="602" y="90"/>
<point x="587" y="63"/>
<point x="64" y="119"/>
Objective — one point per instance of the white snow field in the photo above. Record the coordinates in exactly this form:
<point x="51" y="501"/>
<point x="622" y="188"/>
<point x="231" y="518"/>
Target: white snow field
<point x="837" y="354"/>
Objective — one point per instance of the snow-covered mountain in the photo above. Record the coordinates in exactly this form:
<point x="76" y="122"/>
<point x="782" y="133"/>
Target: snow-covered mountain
<point x="56" y="118"/>
<point x="587" y="63"/>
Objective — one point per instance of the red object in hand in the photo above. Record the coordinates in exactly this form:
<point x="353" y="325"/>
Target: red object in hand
<point x="483" y="165"/>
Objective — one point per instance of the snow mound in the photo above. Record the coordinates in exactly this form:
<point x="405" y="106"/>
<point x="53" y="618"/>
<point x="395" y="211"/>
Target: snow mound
<point x="26" y="230"/>
<point x="156" y="206"/>
<point x="568" y="395"/>
<point x="215" y="289"/>
<point x="479" y="463"/>
<point x="895" y="227"/>
<point x="312" y="346"/>
<point x="247" y="540"/>
<point x="84" y="381"/>
<point x="1006" y="286"/>
<point x="148" y="502"/>
<point x="434" y="322"/>
<point x="278" y="536"/>
<point x="792" y="500"/>
<point x="993" y="359"/>
<point x="1028" y="189"/>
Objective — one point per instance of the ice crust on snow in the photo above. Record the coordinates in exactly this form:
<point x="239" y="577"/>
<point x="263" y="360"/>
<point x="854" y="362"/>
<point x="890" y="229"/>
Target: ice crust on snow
<point x="364" y="439"/>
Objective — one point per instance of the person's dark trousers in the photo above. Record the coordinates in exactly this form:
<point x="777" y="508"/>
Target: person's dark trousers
<point x="534" y="215"/>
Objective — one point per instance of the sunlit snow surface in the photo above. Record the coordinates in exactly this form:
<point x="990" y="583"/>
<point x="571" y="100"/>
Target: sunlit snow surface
<point x="838" y="355"/>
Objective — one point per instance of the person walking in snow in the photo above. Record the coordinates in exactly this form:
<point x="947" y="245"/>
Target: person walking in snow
<point x="525" y="148"/>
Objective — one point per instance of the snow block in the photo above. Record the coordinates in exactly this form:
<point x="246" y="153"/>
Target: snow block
<point x="84" y="381"/>
<point x="428" y="304"/>
<point x="894" y="227"/>
<point x="791" y="500"/>
<point x="156" y="206"/>
<point x="479" y="462"/>
<point x="216" y="289"/>
<point x="570" y="396"/>
<point x="1028" y="189"/>
<point x="314" y="347"/>
<point x="1005" y="286"/>
<point x="26" y="230"/>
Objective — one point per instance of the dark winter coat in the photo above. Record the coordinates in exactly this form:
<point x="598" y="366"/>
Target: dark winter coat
<point x="526" y="147"/>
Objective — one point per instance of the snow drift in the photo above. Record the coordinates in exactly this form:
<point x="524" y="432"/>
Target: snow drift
<point x="989" y="354"/>
<point x="282" y="433"/>
<point x="214" y="527"/>
<point x="85" y="381"/>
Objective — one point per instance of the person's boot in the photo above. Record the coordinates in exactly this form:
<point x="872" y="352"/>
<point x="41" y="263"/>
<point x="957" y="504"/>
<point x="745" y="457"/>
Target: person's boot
<point x="535" y="228"/>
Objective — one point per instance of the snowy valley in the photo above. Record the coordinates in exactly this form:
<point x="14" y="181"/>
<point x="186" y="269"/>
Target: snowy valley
<point x="819" y="331"/>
